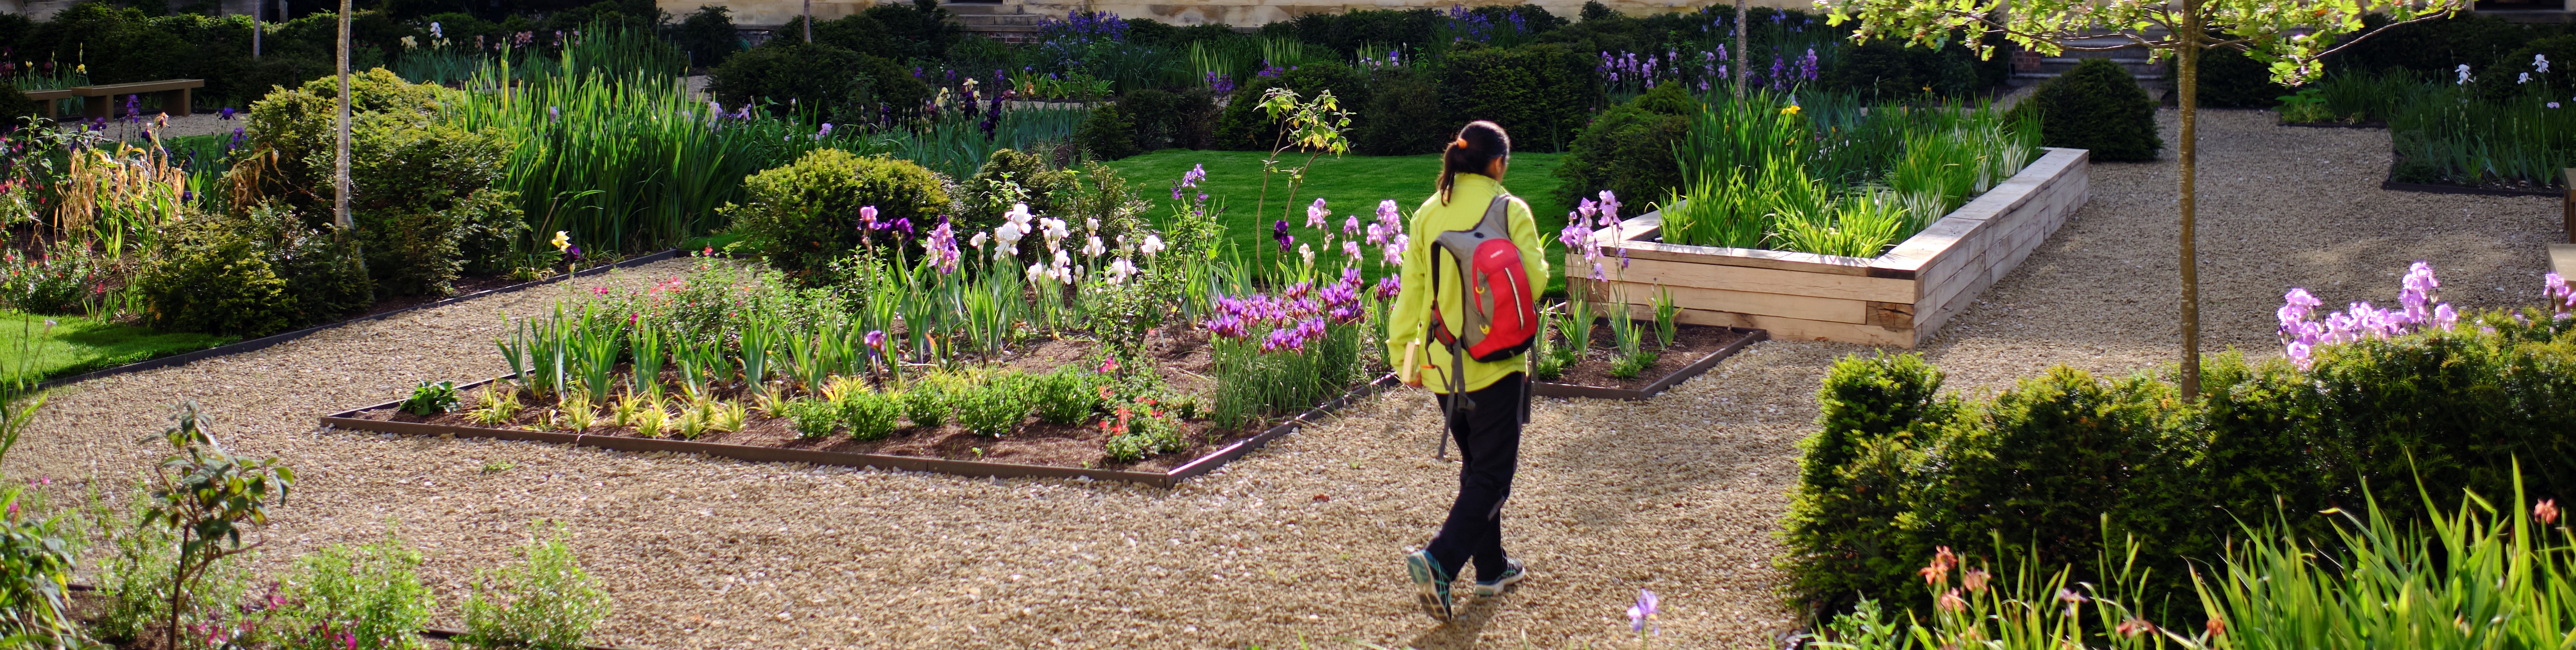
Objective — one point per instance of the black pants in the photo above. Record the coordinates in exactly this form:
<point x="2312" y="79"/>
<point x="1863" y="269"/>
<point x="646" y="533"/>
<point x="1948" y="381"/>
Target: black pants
<point x="1488" y="429"/>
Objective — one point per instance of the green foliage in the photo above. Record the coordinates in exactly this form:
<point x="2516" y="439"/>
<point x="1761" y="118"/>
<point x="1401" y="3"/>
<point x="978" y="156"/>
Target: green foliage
<point x="996" y="405"/>
<point x="789" y="76"/>
<point x="218" y="285"/>
<point x="1009" y="177"/>
<point x="546" y="603"/>
<point x="14" y="104"/>
<point x="425" y="199"/>
<point x="211" y="499"/>
<point x="1403" y="102"/>
<point x="918" y="30"/>
<point x="1108" y="134"/>
<point x="2232" y="79"/>
<point x="1244" y="127"/>
<point x="2503" y="78"/>
<point x="928" y="402"/>
<point x="804" y="215"/>
<point x="431" y="399"/>
<point x="708" y="35"/>
<point x="1890" y="71"/>
<point x="2096" y="106"/>
<point x="1142" y="429"/>
<point x="370" y="594"/>
<point x="871" y="414"/>
<point x="856" y="32"/>
<point x="2436" y="47"/>
<point x="814" y="419"/>
<point x="1539" y="93"/>
<point x="1166" y="120"/>
<point x="2062" y="464"/>
<point x="1629" y="148"/>
<point x="74" y="344"/>
<point x="1068" y="395"/>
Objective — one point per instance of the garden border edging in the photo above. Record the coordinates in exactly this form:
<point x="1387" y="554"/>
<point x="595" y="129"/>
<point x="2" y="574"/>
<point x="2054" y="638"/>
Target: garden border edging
<point x="347" y="420"/>
<point x="274" y="339"/>
<point x="1675" y="378"/>
<point x="2428" y="188"/>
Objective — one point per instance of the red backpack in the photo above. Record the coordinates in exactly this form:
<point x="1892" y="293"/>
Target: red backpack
<point x="1501" y="304"/>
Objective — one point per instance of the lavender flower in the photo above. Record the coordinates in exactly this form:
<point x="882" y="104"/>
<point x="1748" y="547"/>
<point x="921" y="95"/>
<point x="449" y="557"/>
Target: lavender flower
<point x="1643" y="613"/>
<point x="1279" y="233"/>
<point x="1316" y="214"/>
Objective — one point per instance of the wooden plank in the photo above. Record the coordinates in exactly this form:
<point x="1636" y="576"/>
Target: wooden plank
<point x="1795" y="329"/>
<point x="2570" y="207"/>
<point x="2562" y="258"/>
<point x="60" y="93"/>
<point x="1636" y="236"/>
<point x="1891" y="315"/>
<point x="1739" y="278"/>
<point x="140" y="87"/>
<point x="1747" y="302"/>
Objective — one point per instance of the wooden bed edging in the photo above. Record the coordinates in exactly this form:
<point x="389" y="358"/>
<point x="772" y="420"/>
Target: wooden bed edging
<point x="2429" y="188"/>
<point x="1696" y="368"/>
<point x="1202" y="465"/>
<point x="1898" y="299"/>
<point x="274" y="339"/>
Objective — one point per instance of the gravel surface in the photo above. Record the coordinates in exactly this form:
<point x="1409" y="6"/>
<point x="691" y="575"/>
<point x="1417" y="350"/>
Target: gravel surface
<point x="1679" y="495"/>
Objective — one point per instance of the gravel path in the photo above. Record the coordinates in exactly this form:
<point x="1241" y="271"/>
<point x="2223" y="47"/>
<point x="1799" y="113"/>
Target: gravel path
<point x="1678" y="495"/>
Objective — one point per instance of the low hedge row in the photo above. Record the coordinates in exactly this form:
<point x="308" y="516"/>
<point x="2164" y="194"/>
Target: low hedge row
<point x="2064" y="464"/>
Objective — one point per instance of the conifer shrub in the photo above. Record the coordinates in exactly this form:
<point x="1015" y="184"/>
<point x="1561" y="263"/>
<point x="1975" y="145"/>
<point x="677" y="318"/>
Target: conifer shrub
<point x="2096" y="106"/>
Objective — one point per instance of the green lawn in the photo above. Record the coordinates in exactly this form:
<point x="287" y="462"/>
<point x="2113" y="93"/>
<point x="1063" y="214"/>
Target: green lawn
<point x="76" y="345"/>
<point x="1350" y="185"/>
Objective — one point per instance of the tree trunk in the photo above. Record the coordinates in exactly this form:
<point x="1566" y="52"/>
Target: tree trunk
<point x="2187" y="87"/>
<point x="1740" y="55"/>
<point x="809" y="21"/>
<point x="258" y="12"/>
<point x="340" y="163"/>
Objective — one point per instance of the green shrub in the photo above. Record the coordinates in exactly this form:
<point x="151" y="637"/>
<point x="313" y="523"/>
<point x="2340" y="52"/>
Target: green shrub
<point x="547" y="602"/>
<point x="1402" y="117"/>
<point x="2063" y="464"/>
<point x="787" y="76"/>
<point x="994" y="407"/>
<point x="1010" y="177"/>
<point x="1886" y="70"/>
<point x="871" y="414"/>
<point x="804" y="215"/>
<point x="1541" y="94"/>
<point x="1166" y="120"/>
<point x="855" y="32"/>
<point x="1244" y="127"/>
<point x="2502" y="79"/>
<point x="813" y="418"/>
<point x="927" y="402"/>
<point x="58" y="280"/>
<point x="919" y="29"/>
<point x="2096" y="106"/>
<point x="1139" y="430"/>
<point x="708" y="35"/>
<point x="1107" y="134"/>
<point x="14" y="104"/>
<point x="1629" y="148"/>
<point x="1067" y="396"/>
<point x="371" y="594"/>
<point x="2232" y="79"/>
<point x="217" y="285"/>
<point x="423" y="191"/>
<point x="253" y="275"/>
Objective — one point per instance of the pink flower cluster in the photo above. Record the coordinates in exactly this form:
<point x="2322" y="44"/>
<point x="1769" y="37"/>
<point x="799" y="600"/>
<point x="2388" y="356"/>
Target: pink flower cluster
<point x="2562" y="296"/>
<point x="2418" y="308"/>
<point x="1582" y="223"/>
<point x="1294" y="317"/>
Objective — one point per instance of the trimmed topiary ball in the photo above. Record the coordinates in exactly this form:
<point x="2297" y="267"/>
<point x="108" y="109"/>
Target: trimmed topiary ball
<point x="2096" y="106"/>
<point x="805" y="215"/>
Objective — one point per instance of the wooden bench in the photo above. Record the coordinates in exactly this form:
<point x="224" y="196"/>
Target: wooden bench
<point x="45" y="99"/>
<point x="103" y="101"/>
<point x="2571" y="204"/>
<point x="174" y="94"/>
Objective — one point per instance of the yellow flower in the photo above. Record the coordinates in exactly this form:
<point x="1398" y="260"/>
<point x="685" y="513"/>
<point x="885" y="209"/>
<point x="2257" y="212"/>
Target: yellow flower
<point x="1791" y="110"/>
<point x="410" y="43"/>
<point x="82" y="68"/>
<point x="562" y="240"/>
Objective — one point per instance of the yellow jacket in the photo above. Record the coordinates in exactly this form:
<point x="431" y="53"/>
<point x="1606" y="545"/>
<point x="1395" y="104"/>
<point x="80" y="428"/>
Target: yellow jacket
<point x="1469" y="195"/>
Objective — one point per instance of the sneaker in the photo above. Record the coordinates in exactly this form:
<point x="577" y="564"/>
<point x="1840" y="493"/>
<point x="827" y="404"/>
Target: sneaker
<point x="1510" y="575"/>
<point x="1429" y="585"/>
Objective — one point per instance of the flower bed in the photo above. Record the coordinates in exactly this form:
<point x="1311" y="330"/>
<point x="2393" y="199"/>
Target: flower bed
<point x="1899" y="298"/>
<point x="1694" y="350"/>
<point x="1035" y="448"/>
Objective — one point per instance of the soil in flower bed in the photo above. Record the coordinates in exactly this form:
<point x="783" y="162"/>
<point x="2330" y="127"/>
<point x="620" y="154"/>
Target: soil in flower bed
<point x="1183" y="360"/>
<point x="1690" y="343"/>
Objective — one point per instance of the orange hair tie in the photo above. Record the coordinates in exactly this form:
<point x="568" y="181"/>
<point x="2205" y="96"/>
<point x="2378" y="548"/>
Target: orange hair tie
<point x="1462" y="144"/>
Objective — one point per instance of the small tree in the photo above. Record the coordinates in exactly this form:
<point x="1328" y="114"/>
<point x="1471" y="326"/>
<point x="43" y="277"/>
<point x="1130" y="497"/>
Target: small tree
<point x="2290" y="35"/>
<point x="210" y="498"/>
<point x="1315" y="126"/>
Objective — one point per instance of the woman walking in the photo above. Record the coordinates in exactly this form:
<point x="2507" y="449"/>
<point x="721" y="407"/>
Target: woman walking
<point x="1487" y="399"/>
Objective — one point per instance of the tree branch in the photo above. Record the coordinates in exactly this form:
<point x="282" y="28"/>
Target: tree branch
<point x="2367" y="34"/>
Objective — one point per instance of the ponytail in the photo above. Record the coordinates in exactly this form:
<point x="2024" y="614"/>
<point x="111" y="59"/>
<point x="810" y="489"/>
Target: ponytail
<point x="1479" y="144"/>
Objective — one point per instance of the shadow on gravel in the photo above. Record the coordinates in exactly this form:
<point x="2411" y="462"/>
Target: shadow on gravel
<point x="1460" y="632"/>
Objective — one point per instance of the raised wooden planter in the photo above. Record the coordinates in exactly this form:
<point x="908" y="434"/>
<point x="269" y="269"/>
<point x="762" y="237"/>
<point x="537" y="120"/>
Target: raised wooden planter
<point x="1898" y="299"/>
<point x="350" y="420"/>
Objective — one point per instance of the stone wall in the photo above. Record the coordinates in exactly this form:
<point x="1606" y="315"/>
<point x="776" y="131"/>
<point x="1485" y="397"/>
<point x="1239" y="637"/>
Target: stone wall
<point x="1242" y="13"/>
